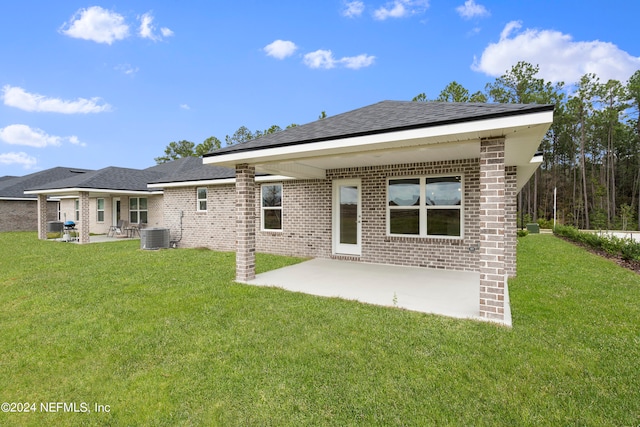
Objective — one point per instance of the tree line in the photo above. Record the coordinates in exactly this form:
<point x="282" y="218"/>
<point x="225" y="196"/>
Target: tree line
<point x="591" y="153"/>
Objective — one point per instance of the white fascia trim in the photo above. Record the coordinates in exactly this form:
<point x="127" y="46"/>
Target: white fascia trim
<point x="376" y="141"/>
<point x="66" y="191"/>
<point x="19" y="199"/>
<point x="222" y="181"/>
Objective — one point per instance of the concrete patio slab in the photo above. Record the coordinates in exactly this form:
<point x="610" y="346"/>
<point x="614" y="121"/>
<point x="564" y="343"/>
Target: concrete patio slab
<point x="444" y="292"/>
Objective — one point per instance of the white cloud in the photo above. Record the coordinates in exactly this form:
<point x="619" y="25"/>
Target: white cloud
<point x="24" y="135"/>
<point x="400" y="9"/>
<point x="353" y="9"/>
<point x="75" y="141"/>
<point x="146" y="27"/>
<point x="20" y="158"/>
<point x="360" y="61"/>
<point x="185" y="107"/>
<point x="148" y="31"/>
<point x="320" y="59"/>
<point x="559" y="57"/>
<point x="280" y="49"/>
<point x="17" y="97"/>
<point x="471" y="9"/>
<point x="325" y="59"/>
<point x="96" y="24"/>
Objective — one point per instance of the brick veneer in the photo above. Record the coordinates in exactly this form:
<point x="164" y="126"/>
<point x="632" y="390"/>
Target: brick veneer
<point x="22" y="215"/>
<point x="307" y="227"/>
<point x="492" y="229"/>
<point x="511" y="216"/>
<point x="85" y="217"/>
<point x="42" y="217"/>
<point x="245" y="223"/>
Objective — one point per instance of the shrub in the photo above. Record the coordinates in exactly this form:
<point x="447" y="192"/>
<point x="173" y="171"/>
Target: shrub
<point x="627" y="248"/>
<point x="523" y="233"/>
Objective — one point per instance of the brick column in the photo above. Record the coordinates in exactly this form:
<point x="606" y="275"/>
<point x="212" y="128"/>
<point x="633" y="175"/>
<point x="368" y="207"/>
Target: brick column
<point x="492" y="229"/>
<point x="84" y="217"/>
<point x="511" y="218"/>
<point x="245" y="223"/>
<point x="42" y="217"/>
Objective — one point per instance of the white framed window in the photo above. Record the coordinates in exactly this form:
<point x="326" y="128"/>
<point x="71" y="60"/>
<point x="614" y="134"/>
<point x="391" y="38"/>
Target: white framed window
<point x="76" y="206"/>
<point x="427" y="206"/>
<point x="271" y="207"/>
<point x="100" y="209"/>
<point x="201" y="202"/>
<point x="138" y="210"/>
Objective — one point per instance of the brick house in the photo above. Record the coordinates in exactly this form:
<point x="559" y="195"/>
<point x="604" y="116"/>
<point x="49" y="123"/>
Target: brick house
<point x="19" y="211"/>
<point x="413" y="184"/>
<point x="96" y="200"/>
<point x="406" y="183"/>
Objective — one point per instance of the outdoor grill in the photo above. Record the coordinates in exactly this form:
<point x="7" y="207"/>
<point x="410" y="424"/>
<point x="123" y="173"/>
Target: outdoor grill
<point x="68" y="227"/>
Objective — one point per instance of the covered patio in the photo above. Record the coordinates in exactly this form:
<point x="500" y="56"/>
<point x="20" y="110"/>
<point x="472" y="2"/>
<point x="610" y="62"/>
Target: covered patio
<point x="443" y="292"/>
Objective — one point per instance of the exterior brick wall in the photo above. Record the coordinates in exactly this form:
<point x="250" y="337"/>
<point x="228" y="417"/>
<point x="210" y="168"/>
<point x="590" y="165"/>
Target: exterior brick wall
<point x="214" y="229"/>
<point x="511" y="216"/>
<point x="306" y="220"/>
<point x="22" y="215"/>
<point x="85" y="215"/>
<point x="245" y="223"/>
<point x="377" y="247"/>
<point x="492" y="228"/>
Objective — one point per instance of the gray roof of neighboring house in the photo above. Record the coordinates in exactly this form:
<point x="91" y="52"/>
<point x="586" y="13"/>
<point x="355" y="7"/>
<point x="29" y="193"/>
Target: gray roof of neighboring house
<point x="14" y="187"/>
<point x="192" y="169"/>
<point x="385" y="116"/>
<point x="110" y="178"/>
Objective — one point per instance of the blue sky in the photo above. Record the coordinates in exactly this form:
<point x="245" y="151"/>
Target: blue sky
<point x="91" y="85"/>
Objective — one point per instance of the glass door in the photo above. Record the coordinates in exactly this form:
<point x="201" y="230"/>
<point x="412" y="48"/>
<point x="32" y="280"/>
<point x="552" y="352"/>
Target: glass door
<point x="347" y="217"/>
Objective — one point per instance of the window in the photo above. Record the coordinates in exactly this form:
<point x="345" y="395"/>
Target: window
<point x="77" y="209"/>
<point x="202" y="199"/>
<point x="100" y="208"/>
<point x="271" y="207"/>
<point x="138" y="210"/>
<point x="425" y="206"/>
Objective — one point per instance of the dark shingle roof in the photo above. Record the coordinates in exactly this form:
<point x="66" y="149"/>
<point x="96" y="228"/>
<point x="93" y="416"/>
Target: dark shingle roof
<point x="14" y="187"/>
<point x="110" y="178"/>
<point x="385" y="116"/>
<point x="191" y="169"/>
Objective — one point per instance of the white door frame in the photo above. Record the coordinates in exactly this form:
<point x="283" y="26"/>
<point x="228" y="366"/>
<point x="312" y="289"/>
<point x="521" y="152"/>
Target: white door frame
<point x="114" y="210"/>
<point x="338" y="246"/>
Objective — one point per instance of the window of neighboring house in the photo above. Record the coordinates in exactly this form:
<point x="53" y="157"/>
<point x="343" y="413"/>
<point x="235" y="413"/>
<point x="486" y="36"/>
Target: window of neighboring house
<point x="425" y="206"/>
<point x="77" y="209"/>
<point x="271" y="207"/>
<point x="100" y="208"/>
<point x="138" y="210"/>
<point x="202" y="199"/>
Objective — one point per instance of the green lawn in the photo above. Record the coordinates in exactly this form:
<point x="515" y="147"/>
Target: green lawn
<point x="167" y="338"/>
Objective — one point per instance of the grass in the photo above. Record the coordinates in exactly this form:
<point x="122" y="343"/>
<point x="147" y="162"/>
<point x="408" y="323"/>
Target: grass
<point x="167" y="338"/>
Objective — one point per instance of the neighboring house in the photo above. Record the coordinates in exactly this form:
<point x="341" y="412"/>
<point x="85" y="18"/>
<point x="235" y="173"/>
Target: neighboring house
<point x="98" y="199"/>
<point x="407" y="183"/>
<point x="19" y="211"/>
